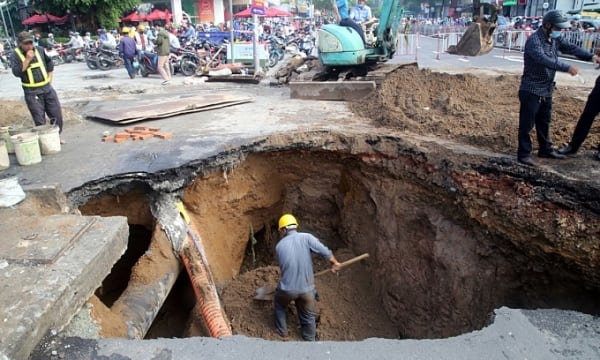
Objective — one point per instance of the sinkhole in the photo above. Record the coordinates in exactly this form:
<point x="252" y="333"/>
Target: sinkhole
<point x="433" y="272"/>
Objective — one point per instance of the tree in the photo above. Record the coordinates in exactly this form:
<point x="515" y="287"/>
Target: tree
<point x="106" y="12"/>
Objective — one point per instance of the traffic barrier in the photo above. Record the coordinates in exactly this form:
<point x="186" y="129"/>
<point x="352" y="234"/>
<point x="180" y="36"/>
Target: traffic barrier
<point x="408" y="45"/>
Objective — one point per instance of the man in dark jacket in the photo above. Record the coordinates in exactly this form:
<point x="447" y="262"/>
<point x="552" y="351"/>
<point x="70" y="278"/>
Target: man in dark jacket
<point x="127" y="50"/>
<point x="35" y="69"/>
<point x="537" y="84"/>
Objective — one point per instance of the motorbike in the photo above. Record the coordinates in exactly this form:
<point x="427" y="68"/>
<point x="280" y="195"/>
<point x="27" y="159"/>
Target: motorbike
<point x="55" y="56"/>
<point x="187" y="61"/>
<point x="107" y="59"/>
<point x="276" y="50"/>
<point x="149" y="64"/>
<point x="91" y="58"/>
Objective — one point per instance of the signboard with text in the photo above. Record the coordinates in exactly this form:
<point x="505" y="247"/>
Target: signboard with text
<point x="258" y="7"/>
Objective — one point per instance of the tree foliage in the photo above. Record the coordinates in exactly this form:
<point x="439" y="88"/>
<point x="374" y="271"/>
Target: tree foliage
<point x="106" y="12"/>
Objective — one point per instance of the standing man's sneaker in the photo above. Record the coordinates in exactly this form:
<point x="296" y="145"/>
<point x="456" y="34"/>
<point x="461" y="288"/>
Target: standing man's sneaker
<point x="567" y="150"/>
<point x="552" y="154"/>
<point x="526" y="161"/>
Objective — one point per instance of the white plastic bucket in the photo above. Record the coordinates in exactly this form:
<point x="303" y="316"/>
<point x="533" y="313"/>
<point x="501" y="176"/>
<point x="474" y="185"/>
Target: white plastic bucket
<point x="4" y="159"/>
<point x="11" y="192"/>
<point x="49" y="139"/>
<point x="5" y="135"/>
<point x="27" y="148"/>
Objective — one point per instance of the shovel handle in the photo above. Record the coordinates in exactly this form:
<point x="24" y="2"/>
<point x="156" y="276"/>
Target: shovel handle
<point x="345" y="263"/>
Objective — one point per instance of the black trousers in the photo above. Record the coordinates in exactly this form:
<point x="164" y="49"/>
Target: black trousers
<point x="350" y="23"/>
<point x="535" y="111"/>
<point x="44" y="101"/>
<point x="590" y="111"/>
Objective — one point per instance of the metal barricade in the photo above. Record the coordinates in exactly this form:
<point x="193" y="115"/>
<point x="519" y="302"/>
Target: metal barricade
<point x="408" y="45"/>
<point x="445" y="40"/>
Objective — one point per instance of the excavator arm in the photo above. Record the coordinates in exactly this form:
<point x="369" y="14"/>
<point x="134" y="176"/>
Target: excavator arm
<point x="478" y="39"/>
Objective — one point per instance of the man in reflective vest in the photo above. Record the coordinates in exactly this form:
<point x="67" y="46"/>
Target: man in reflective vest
<point x="34" y="67"/>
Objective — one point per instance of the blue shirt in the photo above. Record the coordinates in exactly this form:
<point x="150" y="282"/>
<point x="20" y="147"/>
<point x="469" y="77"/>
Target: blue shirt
<point x="360" y="14"/>
<point x="342" y="6"/>
<point x="127" y="47"/>
<point x="541" y="62"/>
<point x="294" y="258"/>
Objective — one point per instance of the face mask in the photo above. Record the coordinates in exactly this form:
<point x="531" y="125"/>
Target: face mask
<point x="360" y="6"/>
<point x="555" y="34"/>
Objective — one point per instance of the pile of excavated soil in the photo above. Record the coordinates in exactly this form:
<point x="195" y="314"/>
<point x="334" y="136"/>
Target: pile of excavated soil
<point x="15" y="114"/>
<point x="476" y="110"/>
<point x="348" y="308"/>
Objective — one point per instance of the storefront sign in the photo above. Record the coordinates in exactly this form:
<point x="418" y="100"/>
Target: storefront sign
<point x="258" y="7"/>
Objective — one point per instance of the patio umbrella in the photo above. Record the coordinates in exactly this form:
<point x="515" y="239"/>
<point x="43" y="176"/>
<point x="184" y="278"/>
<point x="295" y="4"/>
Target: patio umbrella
<point x="133" y="17"/>
<point x="58" y="20"/>
<point x="158" y="15"/>
<point x="35" y="20"/>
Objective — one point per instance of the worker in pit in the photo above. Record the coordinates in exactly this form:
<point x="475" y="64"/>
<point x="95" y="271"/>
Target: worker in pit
<point x="297" y="281"/>
<point x="340" y="8"/>
<point x="537" y="84"/>
<point x="35" y="69"/>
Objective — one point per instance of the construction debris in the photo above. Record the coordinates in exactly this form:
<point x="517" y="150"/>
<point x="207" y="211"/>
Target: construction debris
<point x="297" y="68"/>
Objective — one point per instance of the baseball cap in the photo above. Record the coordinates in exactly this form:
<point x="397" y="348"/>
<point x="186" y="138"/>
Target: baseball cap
<point x="25" y="37"/>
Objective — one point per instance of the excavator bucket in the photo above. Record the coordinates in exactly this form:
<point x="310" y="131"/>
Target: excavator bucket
<point x="478" y="39"/>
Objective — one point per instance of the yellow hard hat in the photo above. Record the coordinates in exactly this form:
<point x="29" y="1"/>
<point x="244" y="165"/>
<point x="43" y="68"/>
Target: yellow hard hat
<point x="287" y="220"/>
<point x="141" y="27"/>
<point x="125" y="30"/>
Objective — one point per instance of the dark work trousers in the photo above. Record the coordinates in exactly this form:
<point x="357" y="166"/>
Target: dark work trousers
<point x="129" y="65"/>
<point x="44" y="101"/>
<point x="350" y="23"/>
<point x="591" y="110"/>
<point x="307" y="313"/>
<point x="535" y="110"/>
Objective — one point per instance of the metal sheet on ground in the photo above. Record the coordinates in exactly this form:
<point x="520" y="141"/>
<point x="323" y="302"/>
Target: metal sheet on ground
<point x="167" y="108"/>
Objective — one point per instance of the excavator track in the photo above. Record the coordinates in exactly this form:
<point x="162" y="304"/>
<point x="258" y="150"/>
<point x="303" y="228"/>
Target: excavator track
<point x="346" y="86"/>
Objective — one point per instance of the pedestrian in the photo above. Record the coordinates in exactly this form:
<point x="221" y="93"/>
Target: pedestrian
<point x="340" y="8"/>
<point x="128" y="51"/>
<point x="297" y="281"/>
<point x="142" y="44"/>
<point x="163" y="50"/>
<point x="35" y="69"/>
<point x="537" y="84"/>
<point x="590" y="111"/>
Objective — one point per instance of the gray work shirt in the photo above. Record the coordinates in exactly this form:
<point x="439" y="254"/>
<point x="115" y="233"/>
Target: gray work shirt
<point x="295" y="262"/>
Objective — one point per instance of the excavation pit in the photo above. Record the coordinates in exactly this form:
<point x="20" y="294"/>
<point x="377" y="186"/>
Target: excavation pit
<point x="442" y="259"/>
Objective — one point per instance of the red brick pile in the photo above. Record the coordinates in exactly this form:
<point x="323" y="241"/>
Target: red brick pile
<point x="137" y="133"/>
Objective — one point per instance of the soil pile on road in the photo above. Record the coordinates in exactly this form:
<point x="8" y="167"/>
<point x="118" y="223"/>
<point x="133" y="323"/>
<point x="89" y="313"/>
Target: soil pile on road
<point x="348" y="308"/>
<point x="15" y="114"/>
<point x="476" y="110"/>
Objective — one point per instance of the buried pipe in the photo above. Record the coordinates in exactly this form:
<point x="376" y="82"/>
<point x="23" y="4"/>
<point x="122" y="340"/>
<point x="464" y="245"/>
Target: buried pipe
<point x="151" y="281"/>
<point x="193" y="257"/>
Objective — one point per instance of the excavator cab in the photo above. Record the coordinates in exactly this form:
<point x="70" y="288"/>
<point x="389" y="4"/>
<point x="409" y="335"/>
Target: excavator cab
<point x="478" y="39"/>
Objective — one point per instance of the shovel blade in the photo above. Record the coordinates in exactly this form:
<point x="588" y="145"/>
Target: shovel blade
<point x="266" y="292"/>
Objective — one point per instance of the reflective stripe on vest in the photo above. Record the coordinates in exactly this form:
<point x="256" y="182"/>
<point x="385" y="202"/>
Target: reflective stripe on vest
<point x="37" y="65"/>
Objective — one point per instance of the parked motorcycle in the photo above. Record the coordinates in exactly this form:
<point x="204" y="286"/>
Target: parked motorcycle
<point x="149" y="64"/>
<point x="107" y="59"/>
<point x="55" y="56"/>
<point x="276" y="50"/>
<point x="91" y="58"/>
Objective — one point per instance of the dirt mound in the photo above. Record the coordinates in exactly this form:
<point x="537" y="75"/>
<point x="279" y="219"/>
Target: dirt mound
<point x="16" y="114"/>
<point x="348" y="309"/>
<point x="476" y="110"/>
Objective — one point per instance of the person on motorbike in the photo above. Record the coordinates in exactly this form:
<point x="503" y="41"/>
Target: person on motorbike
<point x="189" y="34"/>
<point x="75" y="43"/>
<point x="87" y="39"/>
<point x="50" y="42"/>
<point x="107" y="40"/>
<point x="142" y="43"/>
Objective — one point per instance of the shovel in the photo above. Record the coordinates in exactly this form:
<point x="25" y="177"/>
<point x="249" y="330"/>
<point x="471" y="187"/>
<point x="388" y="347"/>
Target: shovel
<point x="267" y="292"/>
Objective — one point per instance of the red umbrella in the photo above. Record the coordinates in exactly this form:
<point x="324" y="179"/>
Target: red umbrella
<point x="158" y="15"/>
<point x="133" y="17"/>
<point x="36" y="19"/>
<point x="58" y="20"/>
<point x="270" y="12"/>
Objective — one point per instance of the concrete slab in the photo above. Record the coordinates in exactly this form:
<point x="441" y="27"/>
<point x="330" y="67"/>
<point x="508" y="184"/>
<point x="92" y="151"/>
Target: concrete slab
<point x="331" y="90"/>
<point x="50" y="266"/>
